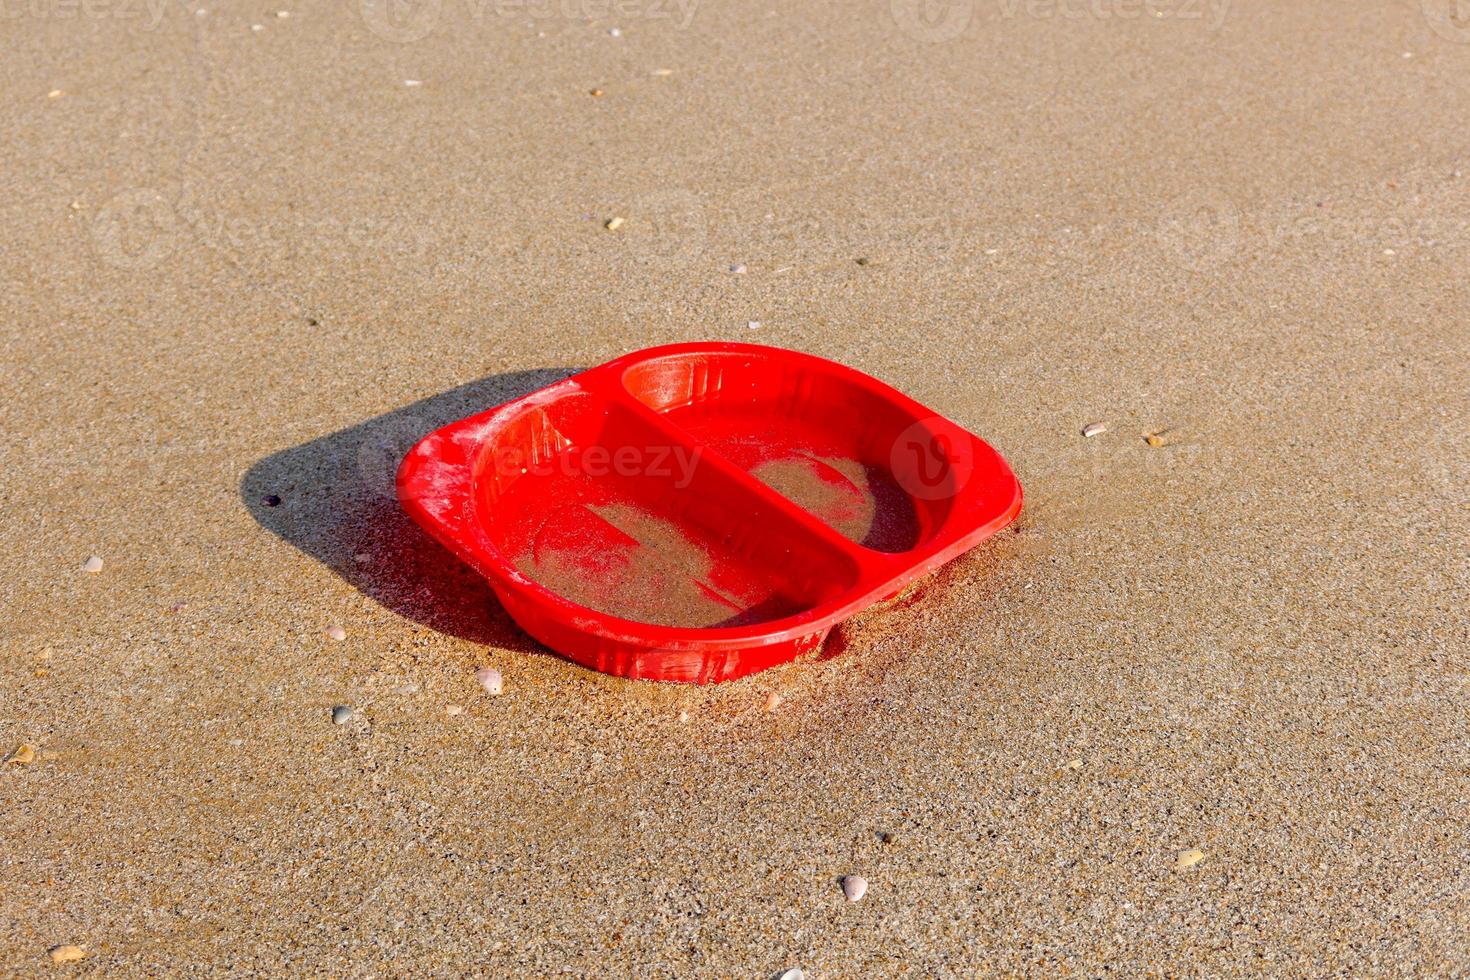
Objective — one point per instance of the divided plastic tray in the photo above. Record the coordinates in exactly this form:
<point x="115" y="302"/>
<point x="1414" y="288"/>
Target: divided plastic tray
<point x="699" y="512"/>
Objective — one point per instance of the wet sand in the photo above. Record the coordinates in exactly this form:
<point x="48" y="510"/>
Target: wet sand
<point x="241" y="264"/>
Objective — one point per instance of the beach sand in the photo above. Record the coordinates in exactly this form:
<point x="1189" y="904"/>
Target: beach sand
<point x="245" y="262"/>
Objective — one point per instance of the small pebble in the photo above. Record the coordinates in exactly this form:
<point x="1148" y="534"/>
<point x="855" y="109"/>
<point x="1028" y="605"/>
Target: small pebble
<point x="76" y="205"/>
<point x="1094" y="429"/>
<point x="854" y="887"/>
<point x="271" y="500"/>
<point x="406" y="689"/>
<point x="55" y="93"/>
<point x="1389" y="251"/>
<point x="754" y="325"/>
<point x="283" y="14"/>
<point x="257" y="27"/>
<point x="613" y="224"/>
<point x="341" y="714"/>
<point x="24" y="755"/>
<point x="887" y="836"/>
<point x="614" y="32"/>
<point x="1154" y="439"/>
<point x="862" y="261"/>
<point x="412" y="82"/>
<point x="1189" y="858"/>
<point x="337" y="633"/>
<point x="738" y="268"/>
<point x="1075" y="764"/>
<point x="596" y="93"/>
<point x="793" y="974"/>
<point x="67" y="954"/>
<point x="93" y="565"/>
<point x="453" y="709"/>
<point x="773" y="701"/>
<point x="663" y="72"/>
<point x="490" y="680"/>
<point x="683" y="717"/>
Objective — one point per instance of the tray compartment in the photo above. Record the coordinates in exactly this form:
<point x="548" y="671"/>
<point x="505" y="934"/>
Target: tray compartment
<point x="588" y="498"/>
<point x="805" y="429"/>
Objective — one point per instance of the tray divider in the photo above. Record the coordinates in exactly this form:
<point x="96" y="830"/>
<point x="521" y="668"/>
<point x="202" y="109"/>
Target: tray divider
<point x="870" y="563"/>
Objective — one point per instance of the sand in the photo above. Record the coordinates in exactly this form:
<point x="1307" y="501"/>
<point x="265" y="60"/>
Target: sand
<point x="247" y="262"/>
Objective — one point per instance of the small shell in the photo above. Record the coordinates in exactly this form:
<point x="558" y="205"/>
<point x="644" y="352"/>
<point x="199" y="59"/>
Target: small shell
<point x="854" y="887"/>
<point x="773" y="701"/>
<point x="67" y="954"/>
<point x="337" y="633"/>
<point x="341" y="714"/>
<point x="93" y="565"/>
<point x="738" y="268"/>
<point x="1094" y="429"/>
<point x="1189" y="858"/>
<point x="55" y="93"/>
<point x="683" y="717"/>
<point x="1154" y="439"/>
<point x="754" y="325"/>
<point x="453" y="709"/>
<point x="24" y="755"/>
<point x="613" y="224"/>
<point x="412" y="82"/>
<point x="793" y="974"/>
<point x="490" y="680"/>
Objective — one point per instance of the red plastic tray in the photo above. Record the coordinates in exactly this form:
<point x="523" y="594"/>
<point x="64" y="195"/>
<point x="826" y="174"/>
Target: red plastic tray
<point x="699" y="512"/>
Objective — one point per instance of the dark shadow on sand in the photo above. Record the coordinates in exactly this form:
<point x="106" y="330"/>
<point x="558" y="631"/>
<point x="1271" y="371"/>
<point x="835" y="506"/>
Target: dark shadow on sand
<point x="337" y="503"/>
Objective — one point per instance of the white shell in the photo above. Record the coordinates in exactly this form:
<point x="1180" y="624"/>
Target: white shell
<point x="1189" y="858"/>
<point x="337" y="633"/>
<point x="341" y="714"/>
<point x="854" y="887"/>
<point x="1094" y="429"/>
<point x="93" y="564"/>
<point x="793" y="974"/>
<point x="773" y="701"/>
<point x="490" y="680"/>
